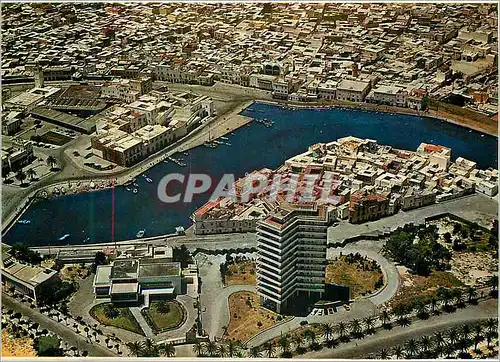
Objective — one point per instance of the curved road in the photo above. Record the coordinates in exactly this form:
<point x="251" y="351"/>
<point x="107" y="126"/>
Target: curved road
<point x="214" y="296"/>
<point x="399" y="335"/>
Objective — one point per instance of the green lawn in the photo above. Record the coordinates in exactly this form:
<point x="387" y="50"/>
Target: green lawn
<point x="163" y="322"/>
<point x="125" y="319"/>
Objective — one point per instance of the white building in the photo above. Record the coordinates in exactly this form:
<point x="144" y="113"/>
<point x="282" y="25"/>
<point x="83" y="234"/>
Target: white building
<point x="352" y="90"/>
<point x="291" y="254"/>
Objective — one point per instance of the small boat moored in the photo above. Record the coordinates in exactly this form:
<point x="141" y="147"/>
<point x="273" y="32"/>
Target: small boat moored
<point x="24" y="222"/>
<point x="140" y="233"/>
<point x="64" y="237"/>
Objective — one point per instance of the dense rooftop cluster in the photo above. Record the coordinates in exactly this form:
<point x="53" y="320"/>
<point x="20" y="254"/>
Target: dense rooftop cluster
<point x="382" y="53"/>
<point x="357" y="179"/>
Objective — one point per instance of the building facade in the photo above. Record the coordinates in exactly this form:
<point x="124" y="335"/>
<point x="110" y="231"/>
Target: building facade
<point x="291" y="255"/>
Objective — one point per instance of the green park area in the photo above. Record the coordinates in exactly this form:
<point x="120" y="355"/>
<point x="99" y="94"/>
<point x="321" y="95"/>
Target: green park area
<point x="163" y="315"/>
<point x="120" y="317"/>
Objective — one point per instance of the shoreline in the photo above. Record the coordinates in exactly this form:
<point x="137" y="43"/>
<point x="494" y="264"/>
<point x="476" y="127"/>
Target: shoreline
<point x="193" y="140"/>
<point x="374" y="108"/>
<point x="222" y="124"/>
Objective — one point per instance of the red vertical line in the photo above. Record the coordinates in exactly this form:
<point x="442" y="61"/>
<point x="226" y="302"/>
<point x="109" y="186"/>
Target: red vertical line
<point x="113" y="215"/>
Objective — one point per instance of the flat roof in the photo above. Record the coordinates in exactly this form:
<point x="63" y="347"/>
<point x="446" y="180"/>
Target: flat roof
<point x="33" y="275"/>
<point x="124" y="288"/>
<point x="125" y="269"/>
<point x="158" y="269"/>
<point x="103" y="275"/>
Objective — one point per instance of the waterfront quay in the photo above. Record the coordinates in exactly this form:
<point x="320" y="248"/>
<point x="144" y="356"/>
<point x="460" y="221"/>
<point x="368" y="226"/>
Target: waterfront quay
<point x="476" y="208"/>
<point x="16" y="201"/>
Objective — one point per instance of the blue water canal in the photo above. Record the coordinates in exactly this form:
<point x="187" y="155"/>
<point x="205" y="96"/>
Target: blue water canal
<point x="252" y="147"/>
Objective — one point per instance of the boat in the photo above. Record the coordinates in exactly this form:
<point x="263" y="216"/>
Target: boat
<point x="24" y="222"/>
<point x="224" y="138"/>
<point x="127" y="188"/>
<point x="135" y="184"/>
<point x="140" y="233"/>
<point x="135" y="191"/>
<point x="165" y="161"/>
<point x="86" y="239"/>
<point x="64" y="237"/>
<point x="148" y="180"/>
<point x="179" y="230"/>
<point x="185" y="154"/>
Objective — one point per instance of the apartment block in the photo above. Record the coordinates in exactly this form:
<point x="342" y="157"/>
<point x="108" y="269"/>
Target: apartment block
<point x="291" y="255"/>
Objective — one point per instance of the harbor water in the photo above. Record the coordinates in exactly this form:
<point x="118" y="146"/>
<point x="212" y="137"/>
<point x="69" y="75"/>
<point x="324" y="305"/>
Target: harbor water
<point x="88" y="217"/>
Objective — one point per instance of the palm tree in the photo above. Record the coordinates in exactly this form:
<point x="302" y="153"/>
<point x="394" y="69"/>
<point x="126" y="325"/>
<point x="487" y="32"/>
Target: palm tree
<point x="453" y="336"/>
<point x="383" y="354"/>
<point x="51" y="161"/>
<point x="222" y="350"/>
<point x="411" y="347"/>
<point x="31" y="173"/>
<point x="450" y="348"/>
<point x="434" y="302"/>
<point x="21" y="176"/>
<point x="211" y="348"/>
<point x="426" y="344"/>
<point x="466" y="331"/>
<point x="198" y="348"/>
<point x="167" y="349"/>
<point x="163" y="307"/>
<point x="298" y="341"/>
<point x="355" y="327"/>
<point x="255" y="353"/>
<point x="491" y="325"/>
<point x="150" y="348"/>
<point x="86" y="330"/>
<point x="327" y="332"/>
<point x="439" y="342"/>
<point x="284" y="344"/>
<point x="135" y="348"/>
<point x="341" y="330"/>
<point x="311" y="336"/>
<point x="232" y="347"/>
<point x="477" y="338"/>
<point x="369" y="324"/>
<point x="445" y="295"/>
<point x="270" y="349"/>
<point x="494" y="282"/>
<point x="458" y="296"/>
<point x="471" y="293"/>
<point x="422" y="310"/>
<point x="400" y="313"/>
<point x="489" y="338"/>
<point x="398" y="351"/>
<point x="385" y="317"/>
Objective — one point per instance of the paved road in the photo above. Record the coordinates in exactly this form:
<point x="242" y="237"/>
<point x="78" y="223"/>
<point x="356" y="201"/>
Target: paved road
<point x="212" y="242"/>
<point x="60" y="329"/>
<point x="136" y="312"/>
<point x="399" y="335"/>
<point x="475" y="207"/>
<point x="214" y="296"/>
<point x="359" y="309"/>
